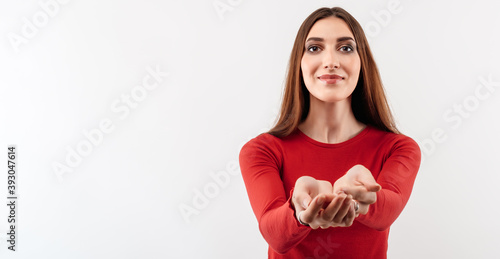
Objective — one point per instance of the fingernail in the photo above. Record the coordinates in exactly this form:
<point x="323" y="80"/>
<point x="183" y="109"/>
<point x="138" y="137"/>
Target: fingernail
<point x="320" y="199"/>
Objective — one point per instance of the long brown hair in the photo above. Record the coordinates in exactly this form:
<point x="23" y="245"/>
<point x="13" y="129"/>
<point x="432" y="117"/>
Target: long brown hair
<point x="369" y="103"/>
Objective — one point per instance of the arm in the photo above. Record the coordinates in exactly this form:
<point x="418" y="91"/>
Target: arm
<point x="396" y="178"/>
<point x="260" y="162"/>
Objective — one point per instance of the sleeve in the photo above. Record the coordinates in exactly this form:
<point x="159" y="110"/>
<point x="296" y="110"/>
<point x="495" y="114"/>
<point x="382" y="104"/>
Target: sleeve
<point x="396" y="178"/>
<point x="260" y="164"/>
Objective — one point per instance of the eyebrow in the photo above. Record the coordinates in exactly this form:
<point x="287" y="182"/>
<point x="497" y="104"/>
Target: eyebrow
<point x="338" y="39"/>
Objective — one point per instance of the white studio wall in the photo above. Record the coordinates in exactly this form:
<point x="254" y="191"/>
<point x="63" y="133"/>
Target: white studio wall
<point x="128" y="118"/>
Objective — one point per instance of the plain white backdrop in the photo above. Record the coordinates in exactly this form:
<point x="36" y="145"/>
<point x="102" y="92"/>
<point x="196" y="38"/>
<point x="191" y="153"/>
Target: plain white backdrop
<point x="176" y="88"/>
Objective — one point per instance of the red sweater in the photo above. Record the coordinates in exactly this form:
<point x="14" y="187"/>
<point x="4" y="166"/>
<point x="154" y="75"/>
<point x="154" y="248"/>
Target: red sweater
<point x="270" y="166"/>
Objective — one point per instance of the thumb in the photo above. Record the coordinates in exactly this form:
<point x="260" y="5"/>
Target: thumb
<point x="305" y="202"/>
<point x="301" y="201"/>
<point x="369" y="183"/>
<point x="372" y="187"/>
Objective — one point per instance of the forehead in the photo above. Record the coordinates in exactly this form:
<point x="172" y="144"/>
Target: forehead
<point x="330" y="28"/>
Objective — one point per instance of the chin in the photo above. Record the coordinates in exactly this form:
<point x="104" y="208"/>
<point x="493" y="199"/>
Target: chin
<point x="331" y="95"/>
<point x="332" y="99"/>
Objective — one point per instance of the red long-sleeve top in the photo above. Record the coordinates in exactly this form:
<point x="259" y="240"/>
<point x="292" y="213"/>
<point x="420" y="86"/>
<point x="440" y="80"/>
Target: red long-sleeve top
<point x="270" y="167"/>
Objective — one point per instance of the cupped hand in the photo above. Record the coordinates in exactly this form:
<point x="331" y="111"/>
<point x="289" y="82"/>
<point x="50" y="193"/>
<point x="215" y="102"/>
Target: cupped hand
<point x="317" y="205"/>
<point x="359" y="182"/>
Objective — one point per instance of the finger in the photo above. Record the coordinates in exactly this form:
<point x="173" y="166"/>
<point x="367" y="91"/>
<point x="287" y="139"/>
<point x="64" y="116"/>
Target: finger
<point x="351" y="215"/>
<point x="363" y="208"/>
<point x="328" y="199"/>
<point x="372" y="186"/>
<point x="332" y="209"/>
<point x="306" y="201"/>
<point x="300" y="200"/>
<point x="314" y="226"/>
<point x="369" y="182"/>
<point x="313" y="210"/>
<point x="360" y="193"/>
<point x="356" y="191"/>
<point x="349" y="218"/>
<point x="342" y="212"/>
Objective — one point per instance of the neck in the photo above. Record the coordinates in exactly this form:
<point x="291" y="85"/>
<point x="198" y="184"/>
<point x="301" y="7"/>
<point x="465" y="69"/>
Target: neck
<point x="330" y="122"/>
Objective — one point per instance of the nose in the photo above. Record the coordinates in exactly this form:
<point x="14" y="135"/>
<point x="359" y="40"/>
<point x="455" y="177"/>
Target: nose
<point x="331" y="60"/>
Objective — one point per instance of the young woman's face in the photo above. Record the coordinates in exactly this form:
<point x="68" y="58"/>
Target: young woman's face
<point x="330" y="64"/>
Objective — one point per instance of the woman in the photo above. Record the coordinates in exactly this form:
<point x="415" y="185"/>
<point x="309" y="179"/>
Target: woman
<point x="329" y="179"/>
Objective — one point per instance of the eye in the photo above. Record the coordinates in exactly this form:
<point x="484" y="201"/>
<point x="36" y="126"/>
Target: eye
<point x="313" y="48"/>
<point x="347" y="48"/>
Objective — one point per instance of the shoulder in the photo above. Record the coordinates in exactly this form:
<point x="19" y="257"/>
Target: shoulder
<point x="263" y="145"/>
<point x="395" y="142"/>
<point x="262" y="151"/>
<point x="263" y="141"/>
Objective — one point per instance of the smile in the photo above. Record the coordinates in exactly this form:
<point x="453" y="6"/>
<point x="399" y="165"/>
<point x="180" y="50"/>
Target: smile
<point x="330" y="79"/>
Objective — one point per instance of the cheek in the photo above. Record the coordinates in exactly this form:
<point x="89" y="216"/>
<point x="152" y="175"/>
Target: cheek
<point x="358" y="65"/>
<point x="307" y="64"/>
<point x="354" y="66"/>
<point x="304" y="67"/>
<point x="357" y="71"/>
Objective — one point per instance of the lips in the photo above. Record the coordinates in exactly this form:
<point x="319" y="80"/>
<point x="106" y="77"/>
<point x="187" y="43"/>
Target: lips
<point x="330" y="79"/>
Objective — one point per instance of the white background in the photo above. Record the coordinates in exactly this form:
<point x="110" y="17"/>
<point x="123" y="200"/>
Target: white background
<point x="225" y="78"/>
